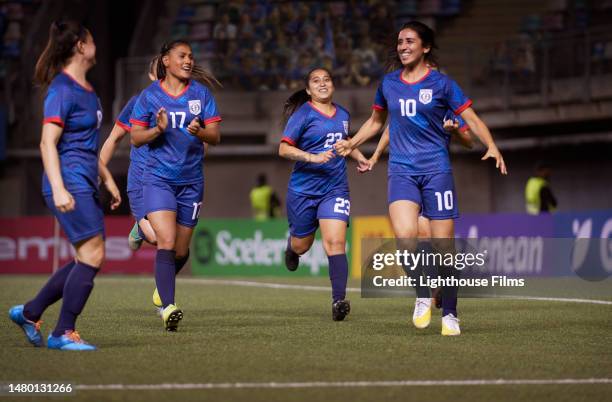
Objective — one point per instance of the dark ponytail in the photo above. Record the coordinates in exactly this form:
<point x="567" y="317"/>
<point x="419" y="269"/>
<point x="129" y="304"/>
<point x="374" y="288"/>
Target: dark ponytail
<point x="428" y="39"/>
<point x="63" y="37"/>
<point x="300" y="97"/>
<point x="198" y="73"/>
<point x="293" y="103"/>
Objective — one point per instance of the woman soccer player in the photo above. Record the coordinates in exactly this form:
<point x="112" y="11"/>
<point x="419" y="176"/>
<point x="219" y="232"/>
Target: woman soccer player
<point x="174" y="116"/>
<point x="318" y="193"/>
<point x="69" y="147"/>
<point x="142" y="229"/>
<point x="419" y="167"/>
<point x="459" y="131"/>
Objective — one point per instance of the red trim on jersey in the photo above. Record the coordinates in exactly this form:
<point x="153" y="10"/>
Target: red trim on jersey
<point x="88" y="88"/>
<point x="212" y="120"/>
<point x="461" y="108"/>
<point x="464" y="128"/>
<point x="139" y="123"/>
<point x="54" y="119"/>
<point x="378" y="107"/>
<point x="123" y="126"/>
<point x="415" y="82"/>
<point x="173" y="96"/>
<point x="323" y="113"/>
<point x="288" y="141"/>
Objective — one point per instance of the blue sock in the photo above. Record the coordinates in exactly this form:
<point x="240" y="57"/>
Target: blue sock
<point x="417" y="272"/>
<point x="49" y="294"/>
<point x="179" y="263"/>
<point x="449" y="293"/>
<point x="77" y="289"/>
<point x="338" y="274"/>
<point x="165" y="273"/>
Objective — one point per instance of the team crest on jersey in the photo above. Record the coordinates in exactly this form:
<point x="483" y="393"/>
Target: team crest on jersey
<point x="346" y="126"/>
<point x="195" y="107"/>
<point x="99" y="115"/>
<point x="425" y="96"/>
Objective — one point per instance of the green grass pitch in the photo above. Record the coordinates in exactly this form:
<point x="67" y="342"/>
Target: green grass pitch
<point x="235" y="334"/>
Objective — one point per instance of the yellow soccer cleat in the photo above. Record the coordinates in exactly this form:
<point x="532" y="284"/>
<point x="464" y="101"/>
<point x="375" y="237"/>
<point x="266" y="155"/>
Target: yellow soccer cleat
<point x="422" y="312"/>
<point x="171" y="316"/>
<point x="450" y="325"/>
<point x="156" y="299"/>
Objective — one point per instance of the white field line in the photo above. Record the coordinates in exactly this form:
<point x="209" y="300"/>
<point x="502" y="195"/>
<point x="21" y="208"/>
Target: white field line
<point x="327" y="289"/>
<point x="270" y="285"/>
<point x="338" y="384"/>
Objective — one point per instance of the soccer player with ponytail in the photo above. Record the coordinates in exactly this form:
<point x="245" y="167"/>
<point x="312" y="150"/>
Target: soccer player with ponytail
<point x="69" y="148"/>
<point x="318" y="193"/>
<point x="174" y="116"/>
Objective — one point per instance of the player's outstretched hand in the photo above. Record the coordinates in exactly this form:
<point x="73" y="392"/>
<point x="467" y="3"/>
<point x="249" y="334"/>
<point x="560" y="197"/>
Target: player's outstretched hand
<point x="343" y="147"/>
<point x="63" y="200"/>
<point x="194" y="126"/>
<point x="323" y="157"/>
<point x="115" y="194"/>
<point x="364" y="165"/>
<point x="162" y="119"/>
<point x="451" y="125"/>
<point x="494" y="153"/>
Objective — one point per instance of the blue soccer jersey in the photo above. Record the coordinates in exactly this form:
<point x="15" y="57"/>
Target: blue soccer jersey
<point x="78" y="111"/>
<point x="312" y="131"/>
<point x="418" y="143"/>
<point x="175" y="156"/>
<point x="138" y="155"/>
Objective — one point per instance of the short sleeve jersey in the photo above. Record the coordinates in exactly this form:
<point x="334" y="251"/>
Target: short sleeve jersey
<point x="418" y="143"/>
<point x="138" y="155"/>
<point x="311" y="130"/>
<point x="78" y="111"/>
<point x="175" y="156"/>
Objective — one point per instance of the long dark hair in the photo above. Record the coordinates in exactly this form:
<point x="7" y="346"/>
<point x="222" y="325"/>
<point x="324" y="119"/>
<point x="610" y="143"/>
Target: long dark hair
<point x="198" y="73"/>
<point x="428" y="39"/>
<point x="63" y="36"/>
<point x="300" y="97"/>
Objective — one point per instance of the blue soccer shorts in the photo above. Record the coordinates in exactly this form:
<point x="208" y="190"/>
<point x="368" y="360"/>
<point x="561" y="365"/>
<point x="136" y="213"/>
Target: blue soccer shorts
<point x="184" y="199"/>
<point x="85" y="221"/>
<point x="434" y="192"/>
<point x="304" y="212"/>
<point x="135" y="192"/>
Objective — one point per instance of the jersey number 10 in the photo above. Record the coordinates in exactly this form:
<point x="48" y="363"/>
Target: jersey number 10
<point x="408" y="107"/>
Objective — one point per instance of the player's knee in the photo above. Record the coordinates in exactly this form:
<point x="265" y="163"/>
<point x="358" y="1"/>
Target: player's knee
<point x="301" y="246"/>
<point x="93" y="256"/>
<point x="334" y="246"/>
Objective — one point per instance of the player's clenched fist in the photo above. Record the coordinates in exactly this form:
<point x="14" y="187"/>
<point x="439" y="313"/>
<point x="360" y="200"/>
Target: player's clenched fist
<point x="194" y="126"/>
<point x="343" y="147"/>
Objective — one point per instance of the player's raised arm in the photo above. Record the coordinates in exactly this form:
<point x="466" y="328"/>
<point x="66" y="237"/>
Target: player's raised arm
<point x="370" y="128"/>
<point x="141" y="134"/>
<point x="481" y="131"/>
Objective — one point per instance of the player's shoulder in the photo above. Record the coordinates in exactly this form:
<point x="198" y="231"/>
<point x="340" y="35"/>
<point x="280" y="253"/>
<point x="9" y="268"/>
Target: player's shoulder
<point x="61" y="82"/>
<point x="130" y="104"/>
<point x="341" y="111"/>
<point x="440" y="77"/>
<point x="392" y="76"/>
<point x="198" y="87"/>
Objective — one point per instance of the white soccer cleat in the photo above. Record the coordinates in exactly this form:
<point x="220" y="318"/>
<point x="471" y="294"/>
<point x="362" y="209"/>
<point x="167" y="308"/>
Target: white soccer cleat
<point x="450" y="325"/>
<point x="422" y="312"/>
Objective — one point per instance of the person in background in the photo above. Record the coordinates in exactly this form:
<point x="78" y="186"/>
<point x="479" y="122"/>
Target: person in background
<point x="539" y="197"/>
<point x="264" y="201"/>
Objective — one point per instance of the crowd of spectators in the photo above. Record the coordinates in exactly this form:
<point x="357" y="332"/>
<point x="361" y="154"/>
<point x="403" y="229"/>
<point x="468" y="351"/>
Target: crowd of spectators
<point x="260" y="45"/>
